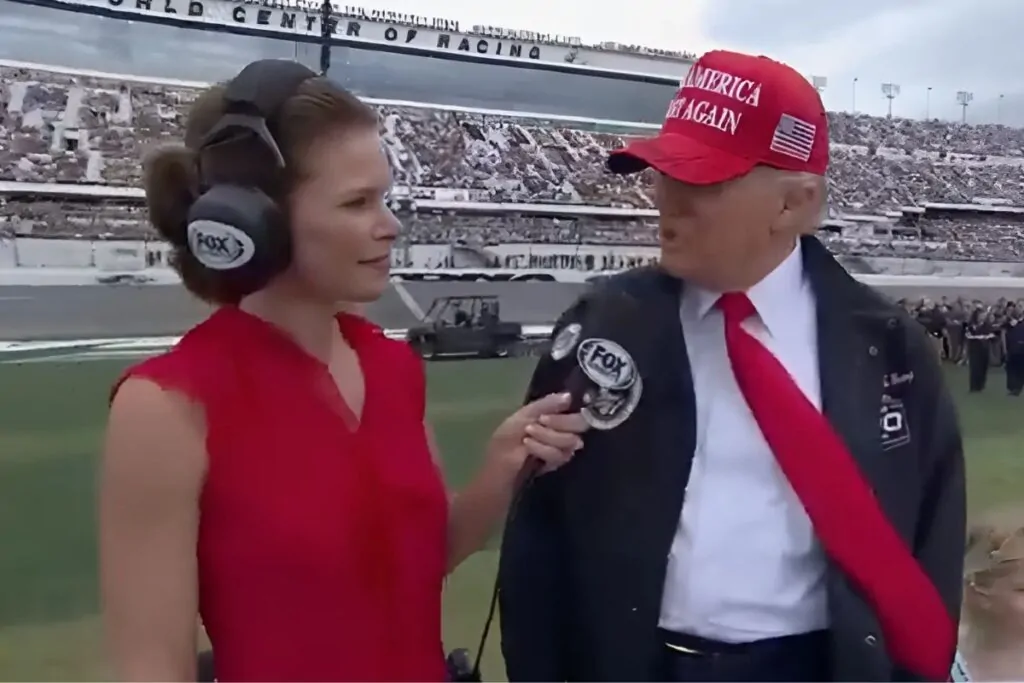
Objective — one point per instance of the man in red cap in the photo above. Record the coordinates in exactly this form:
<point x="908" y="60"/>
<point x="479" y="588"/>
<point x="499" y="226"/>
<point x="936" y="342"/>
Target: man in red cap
<point x="773" y="488"/>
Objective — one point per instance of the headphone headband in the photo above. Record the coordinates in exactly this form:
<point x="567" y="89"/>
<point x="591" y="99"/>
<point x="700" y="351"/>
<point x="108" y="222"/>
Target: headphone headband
<point x="254" y="98"/>
<point x="265" y="85"/>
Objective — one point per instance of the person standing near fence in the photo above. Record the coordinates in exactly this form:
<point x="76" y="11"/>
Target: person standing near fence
<point x="1013" y="344"/>
<point x="956" y="322"/>
<point x="979" y="336"/>
<point x="934" y="322"/>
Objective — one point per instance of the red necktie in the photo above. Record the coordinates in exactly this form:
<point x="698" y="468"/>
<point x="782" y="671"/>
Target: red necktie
<point x="919" y="633"/>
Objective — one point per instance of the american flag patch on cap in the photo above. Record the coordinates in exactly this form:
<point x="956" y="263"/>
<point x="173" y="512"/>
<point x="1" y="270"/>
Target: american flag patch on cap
<point x="793" y="137"/>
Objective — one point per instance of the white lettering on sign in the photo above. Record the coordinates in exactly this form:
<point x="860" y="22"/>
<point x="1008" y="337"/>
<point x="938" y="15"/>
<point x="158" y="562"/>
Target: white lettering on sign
<point x="441" y="34"/>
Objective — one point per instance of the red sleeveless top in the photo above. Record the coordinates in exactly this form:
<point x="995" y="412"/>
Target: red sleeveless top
<point x="322" y="549"/>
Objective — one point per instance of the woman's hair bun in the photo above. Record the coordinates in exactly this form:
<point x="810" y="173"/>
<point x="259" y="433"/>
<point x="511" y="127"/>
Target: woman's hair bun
<point x="170" y="177"/>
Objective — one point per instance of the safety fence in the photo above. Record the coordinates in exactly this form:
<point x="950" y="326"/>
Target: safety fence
<point x="136" y="347"/>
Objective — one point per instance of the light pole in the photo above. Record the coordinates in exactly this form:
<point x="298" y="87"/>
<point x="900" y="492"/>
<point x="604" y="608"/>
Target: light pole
<point x="890" y="91"/>
<point x="964" y="98"/>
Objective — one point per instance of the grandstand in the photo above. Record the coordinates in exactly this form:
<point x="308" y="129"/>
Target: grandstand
<point x="901" y="189"/>
<point x="92" y="130"/>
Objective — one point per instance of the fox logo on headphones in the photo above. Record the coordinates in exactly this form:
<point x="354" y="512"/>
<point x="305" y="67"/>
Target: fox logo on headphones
<point x="219" y="246"/>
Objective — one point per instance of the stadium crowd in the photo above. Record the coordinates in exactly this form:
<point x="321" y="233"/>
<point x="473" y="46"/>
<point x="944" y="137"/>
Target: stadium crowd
<point x="61" y="128"/>
<point x="941" y="239"/>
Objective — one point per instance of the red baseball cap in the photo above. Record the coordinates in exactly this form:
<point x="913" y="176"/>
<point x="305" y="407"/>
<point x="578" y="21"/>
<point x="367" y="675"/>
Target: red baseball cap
<point x="734" y="112"/>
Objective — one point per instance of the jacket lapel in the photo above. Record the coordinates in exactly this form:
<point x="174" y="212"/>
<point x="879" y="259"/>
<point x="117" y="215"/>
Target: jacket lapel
<point x="671" y="384"/>
<point x="851" y="343"/>
<point x="668" y="386"/>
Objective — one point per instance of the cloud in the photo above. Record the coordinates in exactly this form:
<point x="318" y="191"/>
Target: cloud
<point x="948" y="45"/>
<point x="945" y="45"/>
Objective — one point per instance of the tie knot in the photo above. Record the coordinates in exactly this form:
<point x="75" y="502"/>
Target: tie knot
<point x="736" y="307"/>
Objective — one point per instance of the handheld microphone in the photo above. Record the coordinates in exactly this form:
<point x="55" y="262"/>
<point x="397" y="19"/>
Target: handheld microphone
<point x="604" y="383"/>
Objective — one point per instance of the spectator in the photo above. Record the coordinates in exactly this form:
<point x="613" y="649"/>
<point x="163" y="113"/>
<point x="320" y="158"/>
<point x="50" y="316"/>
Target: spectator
<point x="77" y="129"/>
<point x="991" y="639"/>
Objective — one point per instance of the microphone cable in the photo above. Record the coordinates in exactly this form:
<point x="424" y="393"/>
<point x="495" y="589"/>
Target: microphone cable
<point x="530" y="471"/>
<point x="616" y="314"/>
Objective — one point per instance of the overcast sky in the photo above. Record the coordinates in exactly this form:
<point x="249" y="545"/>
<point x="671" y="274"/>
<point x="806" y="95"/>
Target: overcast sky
<point x="948" y="45"/>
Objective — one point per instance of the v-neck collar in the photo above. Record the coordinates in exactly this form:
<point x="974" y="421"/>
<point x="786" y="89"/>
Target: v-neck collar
<point x="355" y="330"/>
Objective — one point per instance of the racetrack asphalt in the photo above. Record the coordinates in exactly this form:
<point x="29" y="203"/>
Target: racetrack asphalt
<point x="95" y="311"/>
<point x="53" y="312"/>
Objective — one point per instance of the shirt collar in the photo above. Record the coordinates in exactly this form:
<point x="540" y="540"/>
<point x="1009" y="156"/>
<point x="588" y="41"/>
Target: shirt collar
<point x="771" y="296"/>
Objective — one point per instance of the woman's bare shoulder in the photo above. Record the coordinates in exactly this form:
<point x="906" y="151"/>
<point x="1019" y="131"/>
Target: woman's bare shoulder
<point x="154" y="433"/>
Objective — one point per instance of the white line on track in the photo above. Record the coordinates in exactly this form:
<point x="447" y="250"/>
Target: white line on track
<point x="407" y="299"/>
<point x="85" y="357"/>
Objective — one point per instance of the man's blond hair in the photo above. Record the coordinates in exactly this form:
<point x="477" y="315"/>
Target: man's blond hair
<point x="994" y="554"/>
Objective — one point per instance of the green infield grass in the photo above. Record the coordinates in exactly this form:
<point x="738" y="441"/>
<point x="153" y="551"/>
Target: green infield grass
<point x="51" y="420"/>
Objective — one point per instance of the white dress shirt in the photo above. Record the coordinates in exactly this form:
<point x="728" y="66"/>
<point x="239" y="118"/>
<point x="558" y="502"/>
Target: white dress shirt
<point x="745" y="563"/>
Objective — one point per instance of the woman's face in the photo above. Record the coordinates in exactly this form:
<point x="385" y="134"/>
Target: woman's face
<point x="342" y="227"/>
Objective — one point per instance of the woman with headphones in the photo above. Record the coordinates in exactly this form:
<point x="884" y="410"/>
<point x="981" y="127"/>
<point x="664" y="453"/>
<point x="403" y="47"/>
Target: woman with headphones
<point x="272" y="473"/>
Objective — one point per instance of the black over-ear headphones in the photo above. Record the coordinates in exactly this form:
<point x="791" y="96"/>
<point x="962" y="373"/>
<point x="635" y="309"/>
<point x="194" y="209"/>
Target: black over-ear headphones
<point x="235" y="231"/>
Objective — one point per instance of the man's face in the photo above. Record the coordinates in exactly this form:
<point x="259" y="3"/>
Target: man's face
<point x="709" y="234"/>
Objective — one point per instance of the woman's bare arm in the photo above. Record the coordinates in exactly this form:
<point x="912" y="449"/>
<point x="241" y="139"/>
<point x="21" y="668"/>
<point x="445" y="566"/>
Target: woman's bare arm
<point x="475" y="511"/>
<point x="154" y="462"/>
<point x="539" y="430"/>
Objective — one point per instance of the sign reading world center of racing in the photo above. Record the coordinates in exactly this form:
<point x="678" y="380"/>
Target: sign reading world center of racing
<point x="294" y="20"/>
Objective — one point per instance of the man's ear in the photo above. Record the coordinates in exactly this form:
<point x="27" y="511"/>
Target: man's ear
<point x="803" y="202"/>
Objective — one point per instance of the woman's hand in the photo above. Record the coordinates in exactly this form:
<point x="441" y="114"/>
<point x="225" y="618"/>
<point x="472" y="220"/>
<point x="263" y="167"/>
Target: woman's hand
<point x="541" y="429"/>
